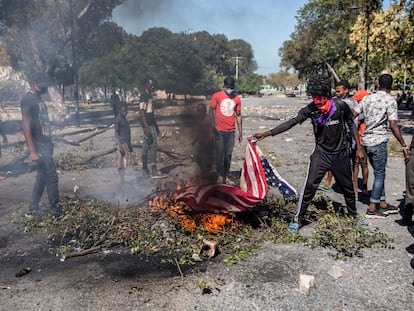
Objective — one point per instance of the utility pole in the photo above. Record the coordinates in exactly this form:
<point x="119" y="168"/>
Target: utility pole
<point x="237" y="65"/>
<point x="367" y="18"/>
<point x="74" y="64"/>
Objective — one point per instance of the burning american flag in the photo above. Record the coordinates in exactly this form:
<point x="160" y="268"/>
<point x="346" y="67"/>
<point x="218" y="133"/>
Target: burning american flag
<point x="256" y="174"/>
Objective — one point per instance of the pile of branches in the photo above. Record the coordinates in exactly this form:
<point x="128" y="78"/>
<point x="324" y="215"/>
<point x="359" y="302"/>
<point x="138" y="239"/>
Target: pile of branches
<point x="92" y="225"/>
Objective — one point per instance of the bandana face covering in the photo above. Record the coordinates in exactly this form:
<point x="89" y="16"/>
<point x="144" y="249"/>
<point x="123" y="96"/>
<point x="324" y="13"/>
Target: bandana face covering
<point x="323" y="103"/>
<point x="324" y="117"/>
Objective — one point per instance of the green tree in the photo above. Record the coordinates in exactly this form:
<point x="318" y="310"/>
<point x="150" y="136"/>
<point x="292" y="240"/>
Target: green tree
<point x="321" y="38"/>
<point x="38" y="33"/>
<point x="283" y="79"/>
<point x="249" y="83"/>
<point x="390" y="40"/>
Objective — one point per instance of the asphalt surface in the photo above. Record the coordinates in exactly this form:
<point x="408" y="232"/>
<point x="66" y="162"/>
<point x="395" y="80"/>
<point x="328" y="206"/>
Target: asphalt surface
<point x="268" y="280"/>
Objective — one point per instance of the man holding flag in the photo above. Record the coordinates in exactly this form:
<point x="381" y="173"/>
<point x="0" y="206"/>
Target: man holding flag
<point x="329" y="118"/>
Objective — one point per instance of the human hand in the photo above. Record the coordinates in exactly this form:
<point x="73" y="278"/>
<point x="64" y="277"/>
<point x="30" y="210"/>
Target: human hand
<point x="60" y="123"/>
<point x="150" y="139"/>
<point x="121" y="149"/>
<point x="260" y="136"/>
<point x="34" y="156"/>
<point x="360" y="155"/>
<point x="407" y="154"/>
<point x="216" y="134"/>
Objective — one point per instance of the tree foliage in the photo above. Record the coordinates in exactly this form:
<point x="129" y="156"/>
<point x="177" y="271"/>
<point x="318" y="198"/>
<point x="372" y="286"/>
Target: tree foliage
<point x="332" y="35"/>
<point x="283" y="79"/>
<point x="38" y="33"/>
<point x="390" y="40"/>
<point x="76" y="39"/>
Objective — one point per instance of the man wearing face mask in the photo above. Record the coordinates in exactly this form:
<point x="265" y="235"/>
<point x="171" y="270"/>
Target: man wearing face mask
<point x="225" y="113"/>
<point x="329" y="117"/>
<point x="37" y="133"/>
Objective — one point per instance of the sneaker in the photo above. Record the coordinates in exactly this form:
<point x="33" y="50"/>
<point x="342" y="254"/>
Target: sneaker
<point x="325" y="189"/>
<point x="410" y="248"/>
<point x="32" y="214"/>
<point x="375" y="214"/>
<point x="389" y="210"/>
<point x="157" y="175"/>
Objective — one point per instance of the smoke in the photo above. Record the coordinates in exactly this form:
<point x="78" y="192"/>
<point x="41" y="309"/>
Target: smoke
<point x="216" y="17"/>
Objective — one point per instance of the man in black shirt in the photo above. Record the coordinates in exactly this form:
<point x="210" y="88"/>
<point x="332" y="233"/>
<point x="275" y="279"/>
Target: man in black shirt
<point x="37" y="133"/>
<point x="330" y="119"/>
<point x="151" y="132"/>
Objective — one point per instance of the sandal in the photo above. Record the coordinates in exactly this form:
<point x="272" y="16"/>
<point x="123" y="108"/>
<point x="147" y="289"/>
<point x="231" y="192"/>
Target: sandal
<point x="293" y="227"/>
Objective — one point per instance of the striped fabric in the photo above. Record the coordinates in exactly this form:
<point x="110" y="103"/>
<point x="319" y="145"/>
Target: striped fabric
<point x="219" y="197"/>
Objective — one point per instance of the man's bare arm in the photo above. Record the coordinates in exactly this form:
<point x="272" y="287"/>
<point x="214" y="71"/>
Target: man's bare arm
<point x="29" y="138"/>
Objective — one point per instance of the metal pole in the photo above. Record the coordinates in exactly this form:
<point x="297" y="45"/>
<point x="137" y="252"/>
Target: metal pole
<point x="237" y="65"/>
<point x="366" y="50"/>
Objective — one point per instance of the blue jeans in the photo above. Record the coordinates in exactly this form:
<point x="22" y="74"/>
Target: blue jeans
<point x="377" y="156"/>
<point x="224" y="143"/>
<point x="46" y="178"/>
<point x="149" y="148"/>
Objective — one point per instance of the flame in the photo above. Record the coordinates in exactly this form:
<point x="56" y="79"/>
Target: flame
<point x="214" y="223"/>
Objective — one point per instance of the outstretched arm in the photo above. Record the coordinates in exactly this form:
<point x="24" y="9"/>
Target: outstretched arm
<point x="278" y="129"/>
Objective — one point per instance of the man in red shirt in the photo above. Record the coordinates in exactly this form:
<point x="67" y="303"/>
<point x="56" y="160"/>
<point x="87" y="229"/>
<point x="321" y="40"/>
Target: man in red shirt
<point x="225" y="112"/>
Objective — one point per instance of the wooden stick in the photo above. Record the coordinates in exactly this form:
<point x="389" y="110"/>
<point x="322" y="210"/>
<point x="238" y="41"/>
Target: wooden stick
<point x="96" y="155"/>
<point x="91" y="135"/>
<point x="87" y="251"/>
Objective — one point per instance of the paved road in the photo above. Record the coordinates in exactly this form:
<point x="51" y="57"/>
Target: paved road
<point x="268" y="280"/>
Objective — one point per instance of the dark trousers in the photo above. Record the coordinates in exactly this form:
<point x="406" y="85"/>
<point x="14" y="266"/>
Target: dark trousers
<point x="46" y="178"/>
<point x="320" y="162"/>
<point x="409" y="179"/>
<point x="224" y="143"/>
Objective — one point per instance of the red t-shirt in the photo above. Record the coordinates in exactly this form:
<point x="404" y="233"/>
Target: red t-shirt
<point x="226" y="109"/>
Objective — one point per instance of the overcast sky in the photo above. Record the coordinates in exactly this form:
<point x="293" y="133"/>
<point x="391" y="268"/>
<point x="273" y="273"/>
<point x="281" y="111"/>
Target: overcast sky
<point x="264" y="24"/>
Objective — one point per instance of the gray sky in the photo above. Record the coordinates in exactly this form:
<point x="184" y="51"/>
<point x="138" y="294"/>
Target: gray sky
<point x="264" y="24"/>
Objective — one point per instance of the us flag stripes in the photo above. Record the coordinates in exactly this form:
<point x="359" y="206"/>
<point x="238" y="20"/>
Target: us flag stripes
<point x="225" y="198"/>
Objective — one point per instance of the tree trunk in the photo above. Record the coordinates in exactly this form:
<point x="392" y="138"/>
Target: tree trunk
<point x="361" y="76"/>
<point x="332" y="70"/>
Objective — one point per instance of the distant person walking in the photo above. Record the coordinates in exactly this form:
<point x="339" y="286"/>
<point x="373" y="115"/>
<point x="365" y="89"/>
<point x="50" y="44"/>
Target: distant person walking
<point x="114" y="101"/>
<point x="37" y="133"/>
<point x="151" y="132"/>
<point x="225" y="114"/>
<point x="123" y="141"/>
<point x="379" y="109"/>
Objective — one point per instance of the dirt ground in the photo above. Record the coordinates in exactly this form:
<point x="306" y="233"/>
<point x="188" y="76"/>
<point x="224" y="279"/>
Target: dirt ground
<point x="116" y="280"/>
